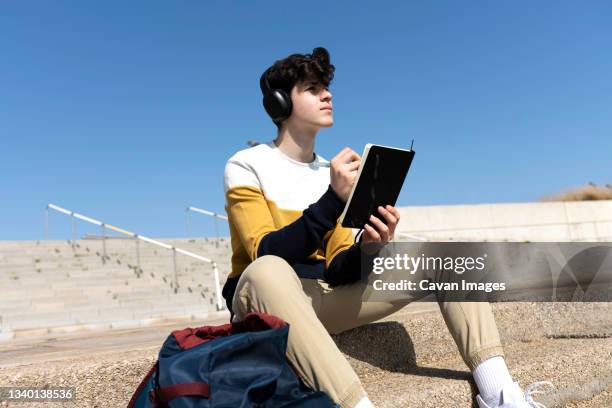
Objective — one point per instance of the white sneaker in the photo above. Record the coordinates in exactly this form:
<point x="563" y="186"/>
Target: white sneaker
<point x="513" y="397"/>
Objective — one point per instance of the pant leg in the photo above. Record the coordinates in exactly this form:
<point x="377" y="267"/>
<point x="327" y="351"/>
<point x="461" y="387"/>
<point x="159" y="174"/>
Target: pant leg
<point x="343" y="307"/>
<point x="270" y="285"/>
<point x="471" y="324"/>
<point x="474" y="330"/>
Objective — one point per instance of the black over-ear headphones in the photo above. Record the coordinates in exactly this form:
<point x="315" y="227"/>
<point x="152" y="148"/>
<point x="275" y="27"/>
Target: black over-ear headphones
<point x="276" y="102"/>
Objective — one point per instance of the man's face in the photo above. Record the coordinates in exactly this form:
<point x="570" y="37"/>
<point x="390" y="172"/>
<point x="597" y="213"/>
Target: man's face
<point x="312" y="105"/>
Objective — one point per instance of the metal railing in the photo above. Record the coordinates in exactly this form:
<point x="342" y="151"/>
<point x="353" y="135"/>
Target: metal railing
<point x="216" y="217"/>
<point x="137" y="237"/>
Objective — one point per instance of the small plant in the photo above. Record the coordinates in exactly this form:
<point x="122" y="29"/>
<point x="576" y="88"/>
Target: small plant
<point x="588" y="192"/>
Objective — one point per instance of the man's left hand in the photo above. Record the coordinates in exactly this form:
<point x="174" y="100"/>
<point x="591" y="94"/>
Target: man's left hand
<point x="381" y="233"/>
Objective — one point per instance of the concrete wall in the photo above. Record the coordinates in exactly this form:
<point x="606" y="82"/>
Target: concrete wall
<point x="546" y="221"/>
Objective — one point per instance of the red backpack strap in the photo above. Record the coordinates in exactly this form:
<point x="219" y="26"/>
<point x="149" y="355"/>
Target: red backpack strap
<point x="190" y="337"/>
<point x="141" y="386"/>
<point x="258" y="322"/>
<point x="162" y="395"/>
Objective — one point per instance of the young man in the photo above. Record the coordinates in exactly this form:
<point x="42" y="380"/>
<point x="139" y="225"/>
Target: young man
<point x="291" y="258"/>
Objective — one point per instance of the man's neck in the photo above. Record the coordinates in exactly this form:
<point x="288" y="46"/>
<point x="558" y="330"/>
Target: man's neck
<point x="298" y="144"/>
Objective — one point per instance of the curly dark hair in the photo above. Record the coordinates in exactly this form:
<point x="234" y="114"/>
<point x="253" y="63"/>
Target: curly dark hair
<point x="287" y="72"/>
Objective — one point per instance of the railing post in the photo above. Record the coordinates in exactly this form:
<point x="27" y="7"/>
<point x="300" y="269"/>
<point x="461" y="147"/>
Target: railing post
<point x="217" y="286"/>
<point x="103" y="226"/>
<point x="138" y="253"/>
<point x="47" y="222"/>
<point x="188" y="220"/>
<point x="73" y="229"/>
<point x="175" y="270"/>
<point x="216" y="232"/>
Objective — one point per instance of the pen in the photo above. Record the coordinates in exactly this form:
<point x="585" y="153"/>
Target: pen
<point x="324" y="164"/>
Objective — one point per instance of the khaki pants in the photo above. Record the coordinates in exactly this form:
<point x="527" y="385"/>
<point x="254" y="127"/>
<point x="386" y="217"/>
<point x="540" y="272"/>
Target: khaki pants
<point x="313" y="310"/>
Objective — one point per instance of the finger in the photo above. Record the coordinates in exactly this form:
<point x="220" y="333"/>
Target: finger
<point x="341" y="153"/>
<point x="353" y="156"/>
<point x="353" y="165"/>
<point x="393" y="211"/>
<point x="370" y="234"/>
<point x="349" y="155"/>
<point x="373" y="235"/>
<point x="388" y="215"/>
<point x="383" y="230"/>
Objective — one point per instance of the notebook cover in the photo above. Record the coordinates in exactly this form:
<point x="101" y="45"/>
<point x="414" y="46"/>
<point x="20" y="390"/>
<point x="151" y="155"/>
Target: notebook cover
<point x="379" y="182"/>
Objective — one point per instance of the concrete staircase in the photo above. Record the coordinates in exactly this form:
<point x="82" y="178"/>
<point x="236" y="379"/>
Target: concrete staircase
<point x="58" y="286"/>
<point x="54" y="294"/>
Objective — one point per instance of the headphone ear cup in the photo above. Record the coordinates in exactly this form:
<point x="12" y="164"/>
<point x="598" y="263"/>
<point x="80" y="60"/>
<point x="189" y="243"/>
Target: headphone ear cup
<point x="278" y="105"/>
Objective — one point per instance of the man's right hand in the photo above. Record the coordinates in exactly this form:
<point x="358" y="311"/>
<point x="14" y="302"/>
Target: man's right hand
<point x="343" y="171"/>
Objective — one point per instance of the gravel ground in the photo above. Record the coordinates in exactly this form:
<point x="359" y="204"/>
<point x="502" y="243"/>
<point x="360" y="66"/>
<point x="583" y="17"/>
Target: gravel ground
<point x="567" y="344"/>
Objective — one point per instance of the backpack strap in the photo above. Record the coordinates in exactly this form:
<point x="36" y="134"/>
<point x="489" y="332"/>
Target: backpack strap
<point x="191" y="337"/>
<point x="142" y="386"/>
<point x="162" y="395"/>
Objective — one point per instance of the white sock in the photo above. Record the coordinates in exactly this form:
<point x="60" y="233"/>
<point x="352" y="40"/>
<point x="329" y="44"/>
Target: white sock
<point x="364" y="403"/>
<point x="490" y="376"/>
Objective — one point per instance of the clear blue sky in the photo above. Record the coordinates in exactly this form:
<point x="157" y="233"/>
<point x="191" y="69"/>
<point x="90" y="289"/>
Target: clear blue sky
<point x="127" y="111"/>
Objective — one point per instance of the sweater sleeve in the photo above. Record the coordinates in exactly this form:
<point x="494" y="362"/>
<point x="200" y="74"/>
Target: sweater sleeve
<point x="345" y="267"/>
<point x="304" y="236"/>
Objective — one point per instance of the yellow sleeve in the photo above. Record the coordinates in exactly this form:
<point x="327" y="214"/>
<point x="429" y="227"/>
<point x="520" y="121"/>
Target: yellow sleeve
<point x="248" y="212"/>
<point x="340" y="239"/>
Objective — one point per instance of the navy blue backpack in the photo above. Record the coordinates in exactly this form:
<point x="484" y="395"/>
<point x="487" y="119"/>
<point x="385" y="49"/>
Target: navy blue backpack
<point x="236" y="365"/>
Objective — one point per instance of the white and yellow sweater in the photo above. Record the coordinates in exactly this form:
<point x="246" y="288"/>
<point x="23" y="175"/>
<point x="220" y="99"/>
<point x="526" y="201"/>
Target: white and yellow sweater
<point x="279" y="206"/>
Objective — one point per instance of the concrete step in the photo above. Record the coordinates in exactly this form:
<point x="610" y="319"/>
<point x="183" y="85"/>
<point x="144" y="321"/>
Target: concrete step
<point x="122" y="314"/>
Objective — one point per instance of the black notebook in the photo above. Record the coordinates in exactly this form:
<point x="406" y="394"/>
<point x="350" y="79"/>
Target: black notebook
<point x="379" y="181"/>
